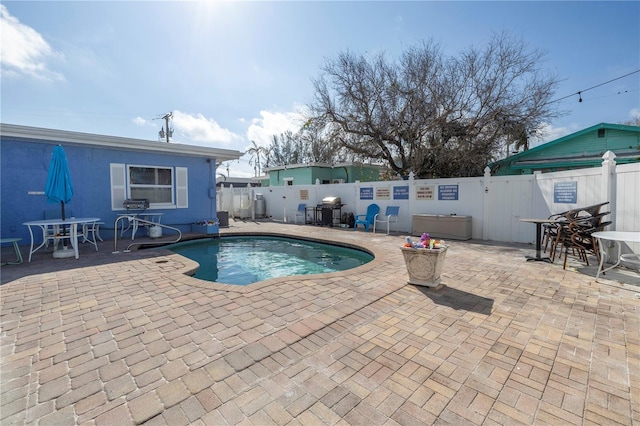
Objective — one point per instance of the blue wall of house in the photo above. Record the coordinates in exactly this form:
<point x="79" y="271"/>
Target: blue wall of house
<point x="24" y="166"/>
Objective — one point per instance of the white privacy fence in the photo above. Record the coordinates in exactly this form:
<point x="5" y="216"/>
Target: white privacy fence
<point x="495" y="203"/>
<point x="239" y="202"/>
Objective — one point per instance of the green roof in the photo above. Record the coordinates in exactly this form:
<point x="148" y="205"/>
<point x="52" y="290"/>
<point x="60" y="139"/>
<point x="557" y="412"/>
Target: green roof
<point x="582" y="158"/>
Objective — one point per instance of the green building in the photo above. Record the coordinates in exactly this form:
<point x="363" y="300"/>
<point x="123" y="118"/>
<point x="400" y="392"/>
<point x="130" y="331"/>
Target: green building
<point x="578" y="150"/>
<point x="308" y="174"/>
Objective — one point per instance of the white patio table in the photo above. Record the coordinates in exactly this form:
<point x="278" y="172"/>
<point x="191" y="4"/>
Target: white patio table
<point x="56" y="224"/>
<point x="618" y="237"/>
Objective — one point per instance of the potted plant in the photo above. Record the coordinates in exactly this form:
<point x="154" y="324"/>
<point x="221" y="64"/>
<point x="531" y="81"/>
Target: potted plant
<point x="424" y="261"/>
<point x="207" y="227"/>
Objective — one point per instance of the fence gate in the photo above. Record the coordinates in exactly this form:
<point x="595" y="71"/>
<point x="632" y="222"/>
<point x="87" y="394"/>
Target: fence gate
<point x="507" y="200"/>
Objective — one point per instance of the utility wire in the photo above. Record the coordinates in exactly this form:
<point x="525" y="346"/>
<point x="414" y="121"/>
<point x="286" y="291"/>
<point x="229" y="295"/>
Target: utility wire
<point x="622" y="92"/>
<point x="580" y="92"/>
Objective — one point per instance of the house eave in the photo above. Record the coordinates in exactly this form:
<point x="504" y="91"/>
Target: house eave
<point x="320" y="165"/>
<point x="63" y="136"/>
<point x="572" y="161"/>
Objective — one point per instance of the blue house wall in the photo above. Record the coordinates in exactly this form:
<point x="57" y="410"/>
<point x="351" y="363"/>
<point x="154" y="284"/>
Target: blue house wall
<point x="24" y="167"/>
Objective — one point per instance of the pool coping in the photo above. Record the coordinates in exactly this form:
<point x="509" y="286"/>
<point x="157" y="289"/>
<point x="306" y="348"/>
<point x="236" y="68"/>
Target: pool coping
<point x="188" y="267"/>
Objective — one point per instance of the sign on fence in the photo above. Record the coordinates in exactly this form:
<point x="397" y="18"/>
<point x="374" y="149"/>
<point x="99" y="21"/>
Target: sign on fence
<point x="447" y="192"/>
<point x="383" y="193"/>
<point x="565" y="192"/>
<point x="424" y="192"/>
<point x="366" y="193"/>
<point x="401" y="192"/>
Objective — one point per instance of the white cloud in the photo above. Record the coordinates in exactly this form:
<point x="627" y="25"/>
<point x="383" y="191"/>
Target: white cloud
<point x="547" y="133"/>
<point x="201" y="130"/>
<point x="24" y="50"/>
<point x="142" y="122"/>
<point x="196" y="129"/>
<point x="635" y="113"/>
<point x="262" y="129"/>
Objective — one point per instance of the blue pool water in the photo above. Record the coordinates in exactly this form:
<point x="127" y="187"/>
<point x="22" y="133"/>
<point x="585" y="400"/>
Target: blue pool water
<point x="246" y="260"/>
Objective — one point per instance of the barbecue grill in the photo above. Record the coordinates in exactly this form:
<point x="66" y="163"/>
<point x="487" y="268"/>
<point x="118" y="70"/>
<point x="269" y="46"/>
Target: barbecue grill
<point x="136" y="204"/>
<point x="331" y="202"/>
<point x="329" y="207"/>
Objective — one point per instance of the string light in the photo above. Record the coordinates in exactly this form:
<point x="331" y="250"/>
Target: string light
<point x="622" y="92"/>
<point x="579" y="93"/>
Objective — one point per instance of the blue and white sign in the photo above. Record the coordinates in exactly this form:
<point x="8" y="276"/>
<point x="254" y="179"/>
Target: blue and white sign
<point x="448" y="192"/>
<point x="565" y="192"/>
<point x="366" y="193"/>
<point x="401" y="192"/>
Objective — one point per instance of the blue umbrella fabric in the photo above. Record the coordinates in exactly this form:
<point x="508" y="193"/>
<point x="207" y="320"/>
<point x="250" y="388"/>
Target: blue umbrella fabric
<point x="59" y="188"/>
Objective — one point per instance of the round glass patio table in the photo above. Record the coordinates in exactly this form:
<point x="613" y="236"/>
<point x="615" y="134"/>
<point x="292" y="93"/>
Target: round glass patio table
<point x="618" y="237"/>
<point x="56" y="224"/>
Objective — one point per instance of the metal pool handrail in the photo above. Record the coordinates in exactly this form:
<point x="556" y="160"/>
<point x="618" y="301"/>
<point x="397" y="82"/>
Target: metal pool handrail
<point x="143" y="221"/>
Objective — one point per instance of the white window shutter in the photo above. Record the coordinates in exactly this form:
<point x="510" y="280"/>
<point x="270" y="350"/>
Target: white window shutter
<point x="182" y="188"/>
<point x="118" y="186"/>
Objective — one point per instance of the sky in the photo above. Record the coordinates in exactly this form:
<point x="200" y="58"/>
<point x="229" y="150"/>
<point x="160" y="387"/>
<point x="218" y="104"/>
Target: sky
<point x="236" y="72"/>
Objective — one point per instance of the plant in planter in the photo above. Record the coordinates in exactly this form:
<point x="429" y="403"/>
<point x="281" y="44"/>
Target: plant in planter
<point x="424" y="261"/>
<point x="208" y="227"/>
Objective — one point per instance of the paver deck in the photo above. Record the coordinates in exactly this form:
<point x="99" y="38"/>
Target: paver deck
<point x="128" y="338"/>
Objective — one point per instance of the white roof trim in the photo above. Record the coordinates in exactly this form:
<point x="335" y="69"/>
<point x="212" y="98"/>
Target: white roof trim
<point x="78" y="138"/>
<point x="324" y="165"/>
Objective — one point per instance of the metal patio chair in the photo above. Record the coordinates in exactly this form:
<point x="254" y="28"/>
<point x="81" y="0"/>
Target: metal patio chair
<point x="390" y="215"/>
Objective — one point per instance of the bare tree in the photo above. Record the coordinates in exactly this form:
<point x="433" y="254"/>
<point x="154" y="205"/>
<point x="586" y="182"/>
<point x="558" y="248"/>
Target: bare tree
<point x="320" y="145"/>
<point x="434" y="115"/>
<point x="285" y="149"/>
<point x="635" y="121"/>
<point x="311" y="144"/>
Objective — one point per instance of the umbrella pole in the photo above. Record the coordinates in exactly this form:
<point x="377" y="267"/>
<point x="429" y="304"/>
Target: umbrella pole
<point x="64" y="228"/>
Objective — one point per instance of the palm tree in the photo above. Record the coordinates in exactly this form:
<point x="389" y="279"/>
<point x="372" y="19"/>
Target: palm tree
<point x="256" y="151"/>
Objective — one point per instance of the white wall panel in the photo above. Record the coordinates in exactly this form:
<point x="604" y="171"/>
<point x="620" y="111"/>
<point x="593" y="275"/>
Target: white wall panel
<point x="499" y="208"/>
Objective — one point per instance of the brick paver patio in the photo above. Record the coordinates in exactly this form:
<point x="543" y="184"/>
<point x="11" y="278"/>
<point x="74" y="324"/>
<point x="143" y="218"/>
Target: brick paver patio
<point x="127" y="338"/>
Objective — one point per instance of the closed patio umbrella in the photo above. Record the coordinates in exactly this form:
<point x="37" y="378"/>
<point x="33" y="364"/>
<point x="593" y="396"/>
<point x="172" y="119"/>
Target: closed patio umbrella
<point x="59" y="188"/>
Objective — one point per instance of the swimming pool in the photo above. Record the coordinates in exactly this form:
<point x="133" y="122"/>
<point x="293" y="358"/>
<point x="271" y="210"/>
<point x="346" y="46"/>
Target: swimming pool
<point x="244" y="260"/>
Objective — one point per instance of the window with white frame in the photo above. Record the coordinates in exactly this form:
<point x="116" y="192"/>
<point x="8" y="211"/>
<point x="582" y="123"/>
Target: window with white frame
<point x="152" y="183"/>
<point x="164" y="187"/>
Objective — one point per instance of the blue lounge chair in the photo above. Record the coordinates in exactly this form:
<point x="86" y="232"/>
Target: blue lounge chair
<point x="302" y="213"/>
<point x="367" y="219"/>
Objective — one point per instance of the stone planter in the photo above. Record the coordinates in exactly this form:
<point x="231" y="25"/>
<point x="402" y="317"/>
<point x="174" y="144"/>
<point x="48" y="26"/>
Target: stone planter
<point x="424" y="265"/>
